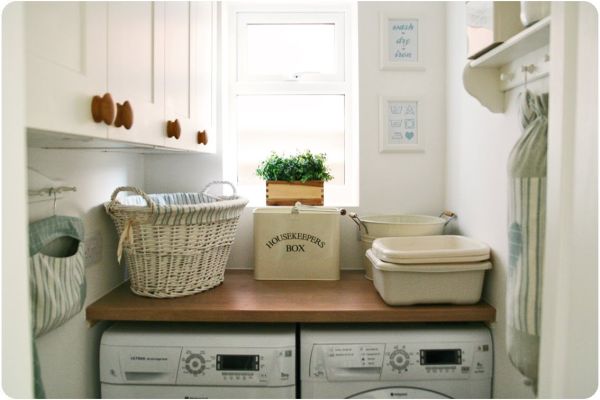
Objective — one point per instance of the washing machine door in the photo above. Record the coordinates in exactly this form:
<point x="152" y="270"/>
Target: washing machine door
<point x="399" y="392"/>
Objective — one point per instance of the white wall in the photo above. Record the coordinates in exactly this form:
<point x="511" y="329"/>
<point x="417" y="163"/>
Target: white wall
<point x="69" y="354"/>
<point x="569" y="346"/>
<point x="478" y="146"/>
<point x="402" y="182"/>
<point x="389" y="183"/>
<point x="16" y="330"/>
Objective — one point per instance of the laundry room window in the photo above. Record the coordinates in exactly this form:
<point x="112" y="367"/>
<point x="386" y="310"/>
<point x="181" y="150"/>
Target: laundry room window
<point x="289" y="84"/>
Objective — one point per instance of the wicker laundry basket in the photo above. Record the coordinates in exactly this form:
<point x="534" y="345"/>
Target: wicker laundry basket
<point x="175" y="244"/>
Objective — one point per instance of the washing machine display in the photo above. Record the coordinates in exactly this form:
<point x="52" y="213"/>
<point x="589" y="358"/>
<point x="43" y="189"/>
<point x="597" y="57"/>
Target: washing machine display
<point x="441" y="356"/>
<point x="206" y="361"/>
<point x="396" y="361"/>
<point x="237" y="362"/>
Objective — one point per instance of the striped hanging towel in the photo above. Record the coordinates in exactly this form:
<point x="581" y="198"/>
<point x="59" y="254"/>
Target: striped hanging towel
<point x="526" y="234"/>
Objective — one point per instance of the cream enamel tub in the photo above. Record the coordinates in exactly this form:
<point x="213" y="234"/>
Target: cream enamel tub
<point x="379" y="226"/>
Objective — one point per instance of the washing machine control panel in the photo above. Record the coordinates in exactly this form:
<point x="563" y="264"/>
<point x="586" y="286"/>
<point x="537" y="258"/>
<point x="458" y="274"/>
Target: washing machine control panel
<point x="198" y="366"/>
<point x="236" y="367"/>
<point x="401" y="361"/>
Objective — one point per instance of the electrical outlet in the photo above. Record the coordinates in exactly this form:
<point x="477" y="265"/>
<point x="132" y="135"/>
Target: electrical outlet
<point x="93" y="249"/>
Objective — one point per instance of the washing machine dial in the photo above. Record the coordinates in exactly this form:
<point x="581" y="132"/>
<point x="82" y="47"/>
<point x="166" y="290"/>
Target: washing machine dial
<point x="195" y="364"/>
<point x="399" y="360"/>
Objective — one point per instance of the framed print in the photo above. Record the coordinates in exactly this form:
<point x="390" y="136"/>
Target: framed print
<point x="400" y="43"/>
<point x="400" y="124"/>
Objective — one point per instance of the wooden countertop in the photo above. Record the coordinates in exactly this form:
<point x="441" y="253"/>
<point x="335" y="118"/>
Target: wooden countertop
<point x="242" y="299"/>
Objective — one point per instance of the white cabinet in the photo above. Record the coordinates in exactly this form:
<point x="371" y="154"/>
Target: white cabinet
<point x="136" y="68"/>
<point x="66" y="65"/>
<point x="188" y="72"/>
<point x="207" y="78"/>
<point x="158" y="56"/>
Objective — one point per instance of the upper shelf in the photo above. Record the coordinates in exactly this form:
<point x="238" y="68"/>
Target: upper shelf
<point x="522" y="58"/>
<point x="522" y="43"/>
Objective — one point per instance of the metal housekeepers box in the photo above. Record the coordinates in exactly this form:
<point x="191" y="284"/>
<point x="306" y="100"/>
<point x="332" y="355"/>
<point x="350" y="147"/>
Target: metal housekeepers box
<point x="297" y="243"/>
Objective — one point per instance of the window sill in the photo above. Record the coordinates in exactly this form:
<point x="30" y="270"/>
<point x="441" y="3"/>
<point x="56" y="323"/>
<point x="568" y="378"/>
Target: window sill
<point x="335" y="196"/>
<point x="253" y="204"/>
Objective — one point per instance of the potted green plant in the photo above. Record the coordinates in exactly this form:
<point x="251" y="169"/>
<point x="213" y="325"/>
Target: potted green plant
<point x="294" y="178"/>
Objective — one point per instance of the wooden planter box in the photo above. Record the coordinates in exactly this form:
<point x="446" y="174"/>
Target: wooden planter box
<point x="284" y="193"/>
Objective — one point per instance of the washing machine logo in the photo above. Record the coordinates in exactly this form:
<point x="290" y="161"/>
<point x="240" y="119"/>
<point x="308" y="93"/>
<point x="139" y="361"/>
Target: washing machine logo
<point x="143" y="358"/>
<point x="396" y="395"/>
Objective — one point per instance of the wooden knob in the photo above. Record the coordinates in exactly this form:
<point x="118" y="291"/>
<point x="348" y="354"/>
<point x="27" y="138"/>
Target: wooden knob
<point x="124" y="115"/>
<point x="202" y="137"/>
<point x="173" y="129"/>
<point x="103" y="109"/>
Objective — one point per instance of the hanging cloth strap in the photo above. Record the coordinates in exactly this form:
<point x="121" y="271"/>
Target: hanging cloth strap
<point x="526" y="234"/>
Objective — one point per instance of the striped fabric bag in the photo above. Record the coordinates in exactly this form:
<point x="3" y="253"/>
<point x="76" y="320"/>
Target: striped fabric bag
<point x="57" y="271"/>
<point x="526" y="234"/>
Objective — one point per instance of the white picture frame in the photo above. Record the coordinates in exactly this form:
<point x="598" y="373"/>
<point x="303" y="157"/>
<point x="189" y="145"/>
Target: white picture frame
<point x="400" y="43"/>
<point x="400" y="124"/>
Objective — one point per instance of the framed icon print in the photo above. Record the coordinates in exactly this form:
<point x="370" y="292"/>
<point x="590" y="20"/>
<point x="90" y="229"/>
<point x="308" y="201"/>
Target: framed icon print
<point x="400" y="124"/>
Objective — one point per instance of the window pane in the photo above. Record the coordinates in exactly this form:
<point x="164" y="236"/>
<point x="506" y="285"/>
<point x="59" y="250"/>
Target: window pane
<point x="289" y="123"/>
<point x="284" y="49"/>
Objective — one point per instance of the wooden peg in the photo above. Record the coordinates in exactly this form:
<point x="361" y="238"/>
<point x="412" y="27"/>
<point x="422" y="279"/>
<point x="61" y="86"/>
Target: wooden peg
<point x="174" y="129"/>
<point x="124" y="115"/>
<point x="103" y="109"/>
<point x="202" y="138"/>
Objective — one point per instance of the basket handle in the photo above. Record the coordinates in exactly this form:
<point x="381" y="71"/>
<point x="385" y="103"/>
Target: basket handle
<point x="448" y="216"/>
<point x="113" y="197"/>
<point x="205" y="190"/>
<point x="358" y="222"/>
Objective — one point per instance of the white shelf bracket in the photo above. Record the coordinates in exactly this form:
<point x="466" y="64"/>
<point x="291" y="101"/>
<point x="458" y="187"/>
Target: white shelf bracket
<point x="484" y="85"/>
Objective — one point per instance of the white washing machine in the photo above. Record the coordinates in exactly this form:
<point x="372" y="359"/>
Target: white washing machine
<point x="396" y="361"/>
<point x="149" y="360"/>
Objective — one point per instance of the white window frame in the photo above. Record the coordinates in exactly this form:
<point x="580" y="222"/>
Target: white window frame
<point x="235" y="82"/>
<point x="245" y="19"/>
